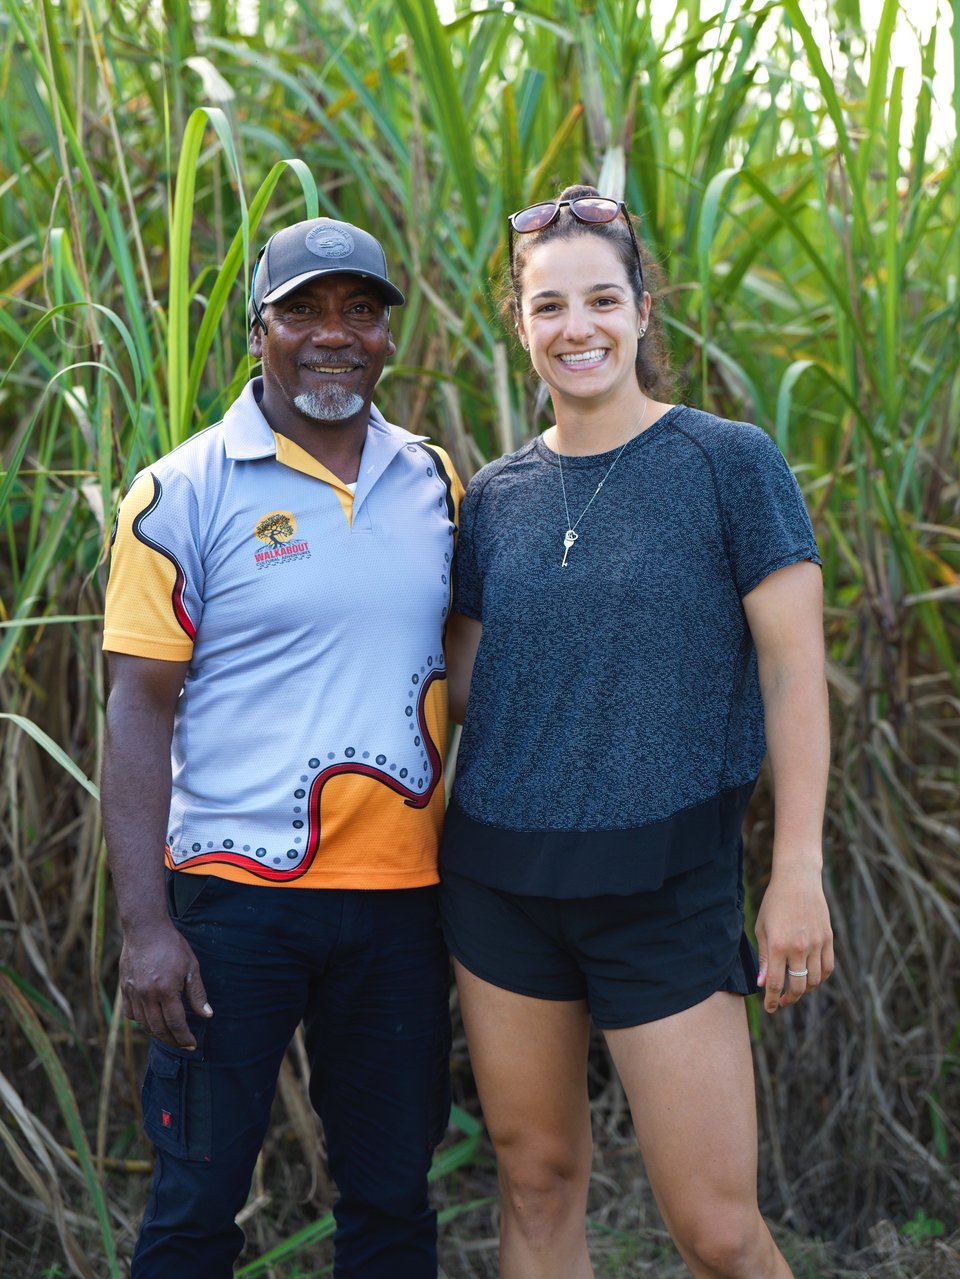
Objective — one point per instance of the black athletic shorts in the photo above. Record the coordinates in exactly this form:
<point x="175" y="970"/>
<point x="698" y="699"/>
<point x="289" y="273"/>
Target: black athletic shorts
<point x="634" y="959"/>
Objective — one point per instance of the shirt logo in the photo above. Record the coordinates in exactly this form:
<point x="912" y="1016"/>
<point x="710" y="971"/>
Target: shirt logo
<point x="329" y="242"/>
<point x="278" y="532"/>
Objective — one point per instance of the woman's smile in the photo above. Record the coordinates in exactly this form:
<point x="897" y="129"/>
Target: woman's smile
<point x="583" y="359"/>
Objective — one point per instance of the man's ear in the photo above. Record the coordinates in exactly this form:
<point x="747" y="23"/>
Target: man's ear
<point x="256" y="340"/>
<point x="391" y="345"/>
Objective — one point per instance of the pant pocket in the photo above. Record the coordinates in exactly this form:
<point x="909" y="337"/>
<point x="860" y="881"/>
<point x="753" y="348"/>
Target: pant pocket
<point x="176" y="1104"/>
<point x="183" y="891"/>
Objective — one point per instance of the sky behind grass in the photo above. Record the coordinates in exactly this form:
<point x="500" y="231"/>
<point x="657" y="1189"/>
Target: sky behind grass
<point x="913" y="30"/>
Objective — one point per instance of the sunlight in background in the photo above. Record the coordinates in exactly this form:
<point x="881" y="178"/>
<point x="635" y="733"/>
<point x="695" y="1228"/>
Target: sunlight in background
<point x="913" y="29"/>
<point x="906" y="52"/>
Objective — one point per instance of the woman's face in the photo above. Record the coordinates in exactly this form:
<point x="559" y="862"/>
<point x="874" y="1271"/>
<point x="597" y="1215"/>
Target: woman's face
<point x="580" y="319"/>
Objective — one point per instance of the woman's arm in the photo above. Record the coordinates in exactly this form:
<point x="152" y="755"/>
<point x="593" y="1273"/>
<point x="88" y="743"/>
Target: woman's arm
<point x="785" y="615"/>
<point x="460" y="647"/>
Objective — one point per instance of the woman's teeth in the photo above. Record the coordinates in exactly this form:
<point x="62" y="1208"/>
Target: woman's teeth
<point x="583" y="357"/>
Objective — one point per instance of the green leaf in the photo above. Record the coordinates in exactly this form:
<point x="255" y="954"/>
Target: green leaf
<point x="56" y="753"/>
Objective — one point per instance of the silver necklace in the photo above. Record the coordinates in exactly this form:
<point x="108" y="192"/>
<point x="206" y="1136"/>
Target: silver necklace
<point x="571" y="535"/>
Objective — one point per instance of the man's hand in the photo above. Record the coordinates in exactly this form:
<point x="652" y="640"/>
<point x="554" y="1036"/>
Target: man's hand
<point x="156" y="967"/>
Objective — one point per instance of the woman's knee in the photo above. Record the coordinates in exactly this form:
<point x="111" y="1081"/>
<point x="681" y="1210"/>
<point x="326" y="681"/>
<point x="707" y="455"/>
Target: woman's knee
<point x="542" y="1182"/>
<point x="724" y="1241"/>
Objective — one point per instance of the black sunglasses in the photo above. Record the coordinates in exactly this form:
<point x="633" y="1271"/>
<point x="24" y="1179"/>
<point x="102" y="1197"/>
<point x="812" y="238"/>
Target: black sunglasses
<point x="593" y="210"/>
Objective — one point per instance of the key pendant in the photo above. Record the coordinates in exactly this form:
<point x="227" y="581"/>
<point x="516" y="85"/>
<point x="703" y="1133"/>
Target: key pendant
<point x="568" y="540"/>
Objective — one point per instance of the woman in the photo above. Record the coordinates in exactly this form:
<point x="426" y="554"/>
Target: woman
<point x="629" y="584"/>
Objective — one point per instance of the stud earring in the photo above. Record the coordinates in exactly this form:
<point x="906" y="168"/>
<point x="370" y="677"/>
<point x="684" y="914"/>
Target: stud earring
<point x="641" y="333"/>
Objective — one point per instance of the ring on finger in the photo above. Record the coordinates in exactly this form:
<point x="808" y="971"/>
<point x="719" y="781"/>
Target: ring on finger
<point x="798" y="972"/>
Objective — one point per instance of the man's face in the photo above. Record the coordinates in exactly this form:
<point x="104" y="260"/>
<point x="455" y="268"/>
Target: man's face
<point x="322" y="353"/>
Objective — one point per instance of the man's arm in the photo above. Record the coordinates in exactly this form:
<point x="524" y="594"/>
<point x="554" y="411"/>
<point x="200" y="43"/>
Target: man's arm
<point x="156" y="964"/>
<point x="785" y="615"/>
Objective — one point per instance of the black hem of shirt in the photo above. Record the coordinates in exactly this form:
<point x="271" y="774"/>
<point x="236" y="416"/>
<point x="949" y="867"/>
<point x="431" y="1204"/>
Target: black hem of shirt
<point x="592" y="863"/>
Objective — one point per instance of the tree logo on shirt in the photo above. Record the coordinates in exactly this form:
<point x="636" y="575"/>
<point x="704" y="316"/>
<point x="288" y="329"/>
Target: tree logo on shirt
<point x="277" y="531"/>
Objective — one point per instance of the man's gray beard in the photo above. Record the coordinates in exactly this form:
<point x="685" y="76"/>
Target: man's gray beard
<point x="332" y="404"/>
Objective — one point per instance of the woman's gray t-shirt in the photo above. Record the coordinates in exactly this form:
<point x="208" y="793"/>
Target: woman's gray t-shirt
<point x="615" y="725"/>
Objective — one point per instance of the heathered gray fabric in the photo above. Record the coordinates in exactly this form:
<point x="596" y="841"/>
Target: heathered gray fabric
<point x="623" y="689"/>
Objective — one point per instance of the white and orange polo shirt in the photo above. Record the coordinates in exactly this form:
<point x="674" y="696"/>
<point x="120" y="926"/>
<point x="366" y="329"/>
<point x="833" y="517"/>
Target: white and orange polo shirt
<point x="309" y="737"/>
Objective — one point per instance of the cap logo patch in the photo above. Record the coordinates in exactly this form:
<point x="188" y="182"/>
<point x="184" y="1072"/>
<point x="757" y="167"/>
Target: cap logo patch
<point x="329" y="242"/>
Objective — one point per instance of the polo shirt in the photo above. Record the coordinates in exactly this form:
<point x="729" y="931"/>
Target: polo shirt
<point x="310" y="734"/>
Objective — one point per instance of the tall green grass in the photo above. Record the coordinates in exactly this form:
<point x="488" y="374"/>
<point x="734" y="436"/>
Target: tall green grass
<point x="809" y="229"/>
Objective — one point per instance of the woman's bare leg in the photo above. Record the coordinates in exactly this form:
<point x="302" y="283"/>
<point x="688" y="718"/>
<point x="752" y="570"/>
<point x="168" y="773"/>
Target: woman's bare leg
<point x="529" y="1059"/>
<point x="689" y="1081"/>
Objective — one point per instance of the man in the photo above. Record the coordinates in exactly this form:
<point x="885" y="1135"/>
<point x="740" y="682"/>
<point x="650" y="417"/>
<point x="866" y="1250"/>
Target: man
<point x="272" y="788"/>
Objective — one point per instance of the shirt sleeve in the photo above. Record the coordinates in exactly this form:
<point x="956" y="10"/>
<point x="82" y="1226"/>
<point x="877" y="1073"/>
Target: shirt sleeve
<point x="766" y="523"/>
<point x="468" y="587"/>
<point x="155" y="589"/>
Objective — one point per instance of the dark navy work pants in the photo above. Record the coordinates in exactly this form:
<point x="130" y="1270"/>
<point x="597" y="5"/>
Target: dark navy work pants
<point x="366" y="972"/>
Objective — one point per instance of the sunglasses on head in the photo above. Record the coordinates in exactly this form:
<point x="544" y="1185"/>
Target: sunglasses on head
<point x="593" y="210"/>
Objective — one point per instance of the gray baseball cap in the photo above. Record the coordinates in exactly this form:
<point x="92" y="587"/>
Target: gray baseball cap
<point x="319" y="246"/>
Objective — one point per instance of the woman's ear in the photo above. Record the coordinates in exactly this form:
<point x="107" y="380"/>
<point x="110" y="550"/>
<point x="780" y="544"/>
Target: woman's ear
<point x="644" y="315"/>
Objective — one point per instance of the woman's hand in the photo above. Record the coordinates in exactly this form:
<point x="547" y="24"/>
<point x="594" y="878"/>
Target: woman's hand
<point x="794" y="937"/>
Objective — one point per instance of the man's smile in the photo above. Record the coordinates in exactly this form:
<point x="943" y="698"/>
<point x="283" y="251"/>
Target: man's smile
<point x="315" y="366"/>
